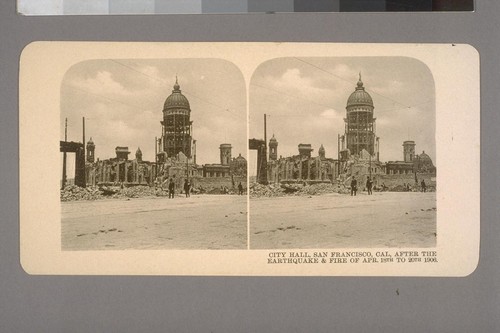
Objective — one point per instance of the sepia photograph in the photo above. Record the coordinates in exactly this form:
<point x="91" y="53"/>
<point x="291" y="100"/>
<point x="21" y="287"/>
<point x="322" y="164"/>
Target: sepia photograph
<point x="344" y="153"/>
<point x="317" y="159"/>
<point x="153" y="155"/>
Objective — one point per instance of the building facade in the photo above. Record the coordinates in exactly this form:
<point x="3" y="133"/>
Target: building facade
<point x="412" y="163"/>
<point x="300" y="168"/>
<point x="119" y="170"/>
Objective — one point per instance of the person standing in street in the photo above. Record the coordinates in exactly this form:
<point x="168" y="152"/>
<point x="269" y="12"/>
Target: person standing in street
<point x="354" y="186"/>
<point x="240" y="189"/>
<point x="187" y="188"/>
<point x="171" y="189"/>
<point x="369" y="184"/>
<point x="424" y="187"/>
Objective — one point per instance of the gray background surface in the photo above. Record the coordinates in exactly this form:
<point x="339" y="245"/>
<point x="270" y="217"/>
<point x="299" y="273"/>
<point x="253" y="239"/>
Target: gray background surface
<point x="239" y="304"/>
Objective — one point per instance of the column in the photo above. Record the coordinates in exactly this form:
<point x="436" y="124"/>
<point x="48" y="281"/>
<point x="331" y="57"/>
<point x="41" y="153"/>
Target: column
<point x="318" y="171"/>
<point x="126" y="171"/>
<point x="117" y="175"/>
<point x="300" y="168"/>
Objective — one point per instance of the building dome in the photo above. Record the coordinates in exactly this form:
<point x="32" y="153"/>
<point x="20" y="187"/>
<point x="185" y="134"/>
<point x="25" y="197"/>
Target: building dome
<point x="241" y="158"/>
<point x="176" y="100"/>
<point x="425" y="164"/>
<point x="273" y="140"/>
<point x="425" y="159"/>
<point x="360" y="96"/>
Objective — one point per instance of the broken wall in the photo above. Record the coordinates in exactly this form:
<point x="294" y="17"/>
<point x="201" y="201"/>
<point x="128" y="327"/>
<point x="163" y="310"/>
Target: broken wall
<point x="398" y="180"/>
<point x="217" y="182"/>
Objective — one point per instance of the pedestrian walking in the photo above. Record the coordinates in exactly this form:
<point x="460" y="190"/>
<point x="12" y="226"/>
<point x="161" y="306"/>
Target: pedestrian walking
<point x="240" y="189"/>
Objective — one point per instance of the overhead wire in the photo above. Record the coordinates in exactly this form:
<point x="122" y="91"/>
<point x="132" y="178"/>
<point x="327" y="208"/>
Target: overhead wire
<point x="346" y="80"/>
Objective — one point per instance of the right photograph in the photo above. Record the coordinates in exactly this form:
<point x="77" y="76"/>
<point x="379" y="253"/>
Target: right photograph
<point x="342" y="153"/>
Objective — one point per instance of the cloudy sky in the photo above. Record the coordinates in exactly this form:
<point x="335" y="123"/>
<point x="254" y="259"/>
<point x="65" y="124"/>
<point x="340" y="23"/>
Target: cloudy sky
<point x="122" y="102"/>
<point x="305" y="100"/>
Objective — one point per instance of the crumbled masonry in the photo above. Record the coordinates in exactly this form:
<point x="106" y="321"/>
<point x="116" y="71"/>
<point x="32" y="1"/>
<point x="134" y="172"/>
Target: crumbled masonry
<point x="275" y="190"/>
<point x="77" y="193"/>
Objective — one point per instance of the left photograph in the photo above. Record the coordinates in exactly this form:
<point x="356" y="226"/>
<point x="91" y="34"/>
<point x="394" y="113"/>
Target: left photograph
<point x="153" y="155"/>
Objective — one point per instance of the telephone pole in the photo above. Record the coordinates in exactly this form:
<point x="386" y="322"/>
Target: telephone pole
<point x="64" y="177"/>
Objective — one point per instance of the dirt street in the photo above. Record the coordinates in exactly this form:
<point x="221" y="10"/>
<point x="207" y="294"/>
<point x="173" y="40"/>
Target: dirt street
<point x="199" y="222"/>
<point x="384" y="219"/>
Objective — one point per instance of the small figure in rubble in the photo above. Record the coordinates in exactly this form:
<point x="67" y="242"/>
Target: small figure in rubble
<point x="240" y="189"/>
<point x="423" y="185"/>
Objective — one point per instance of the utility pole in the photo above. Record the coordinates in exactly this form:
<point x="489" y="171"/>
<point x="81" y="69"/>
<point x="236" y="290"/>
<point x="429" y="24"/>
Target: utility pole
<point x="370" y="165"/>
<point x="265" y="150"/>
<point x="265" y="132"/>
<point x="83" y="121"/>
<point x="187" y="168"/>
<point x="84" y="173"/>
<point x="194" y="152"/>
<point x="64" y="177"/>
<point x="338" y="155"/>
<point x="156" y="157"/>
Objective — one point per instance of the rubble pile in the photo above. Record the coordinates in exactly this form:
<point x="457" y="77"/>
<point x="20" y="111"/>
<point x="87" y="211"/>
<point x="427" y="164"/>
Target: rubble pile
<point x="137" y="192"/>
<point x="259" y="190"/>
<point x="318" y="189"/>
<point x="398" y="188"/>
<point x="298" y="189"/>
<point x="214" y="190"/>
<point x="75" y="193"/>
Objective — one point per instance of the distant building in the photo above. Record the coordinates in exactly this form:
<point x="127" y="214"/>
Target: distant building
<point x="302" y="167"/>
<point x="412" y="163"/>
<point x="90" y="151"/>
<point x="119" y="170"/>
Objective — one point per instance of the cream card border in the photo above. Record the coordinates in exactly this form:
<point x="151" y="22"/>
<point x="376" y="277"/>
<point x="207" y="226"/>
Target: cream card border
<point x="43" y="64"/>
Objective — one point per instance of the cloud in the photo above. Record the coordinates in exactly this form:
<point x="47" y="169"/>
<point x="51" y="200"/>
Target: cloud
<point x="392" y="87"/>
<point x="330" y="114"/>
<point x="103" y="84"/>
<point x="346" y="72"/>
<point x="294" y="86"/>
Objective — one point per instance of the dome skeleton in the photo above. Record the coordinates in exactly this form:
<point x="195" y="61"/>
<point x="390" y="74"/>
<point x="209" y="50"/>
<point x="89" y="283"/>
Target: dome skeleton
<point x="359" y="121"/>
<point x="176" y="124"/>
